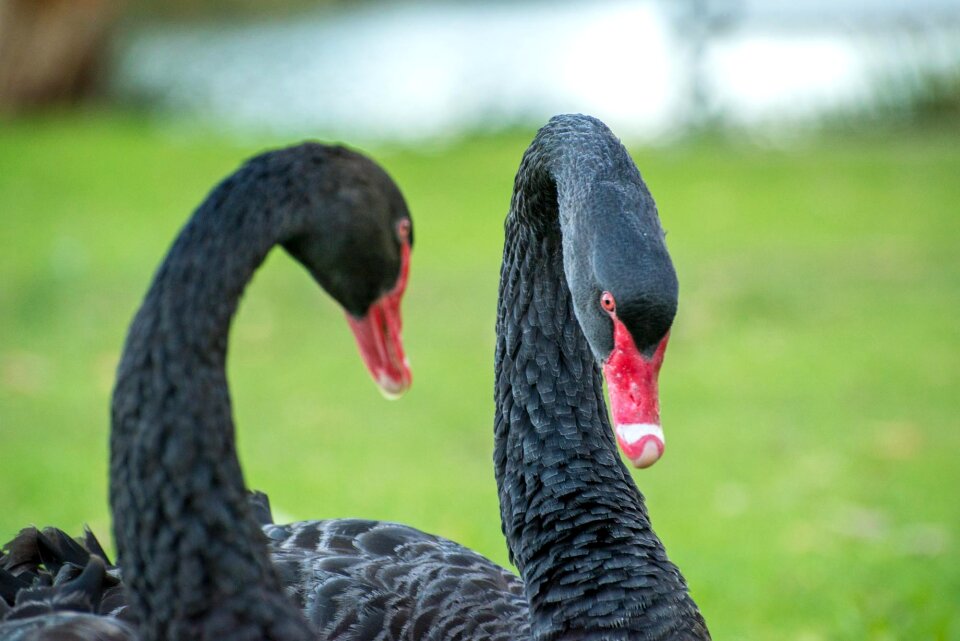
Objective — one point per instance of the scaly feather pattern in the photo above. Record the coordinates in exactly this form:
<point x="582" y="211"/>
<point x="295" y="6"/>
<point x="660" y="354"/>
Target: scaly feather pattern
<point x="193" y="557"/>
<point x="574" y="520"/>
<point x="575" y="523"/>
<point x="53" y="589"/>
<point x="195" y="562"/>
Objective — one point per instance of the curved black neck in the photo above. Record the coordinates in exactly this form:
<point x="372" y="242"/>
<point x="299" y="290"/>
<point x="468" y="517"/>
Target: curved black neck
<point x="193" y="557"/>
<point x="575" y="523"/>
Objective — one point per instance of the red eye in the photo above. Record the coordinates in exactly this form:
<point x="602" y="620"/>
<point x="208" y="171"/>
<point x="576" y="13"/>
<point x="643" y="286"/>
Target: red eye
<point x="607" y="302"/>
<point x="403" y="229"/>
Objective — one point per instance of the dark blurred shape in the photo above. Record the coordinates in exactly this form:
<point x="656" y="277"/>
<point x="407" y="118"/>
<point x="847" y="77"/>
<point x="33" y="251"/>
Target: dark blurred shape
<point x="917" y="95"/>
<point x="189" y="10"/>
<point x="51" y="50"/>
<point x="699" y="23"/>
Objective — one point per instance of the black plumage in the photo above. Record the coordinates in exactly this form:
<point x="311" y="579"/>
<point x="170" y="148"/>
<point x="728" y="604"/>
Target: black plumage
<point x="195" y="563"/>
<point x="53" y="589"/>
<point x="575" y="523"/>
<point x="192" y="555"/>
<point x="581" y="222"/>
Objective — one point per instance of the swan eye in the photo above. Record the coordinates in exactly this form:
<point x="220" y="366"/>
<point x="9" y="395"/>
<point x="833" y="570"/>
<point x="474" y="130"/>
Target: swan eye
<point x="607" y="302"/>
<point x="403" y="229"/>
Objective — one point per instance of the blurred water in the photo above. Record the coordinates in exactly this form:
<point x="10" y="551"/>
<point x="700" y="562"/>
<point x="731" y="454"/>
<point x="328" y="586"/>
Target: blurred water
<point x="428" y="70"/>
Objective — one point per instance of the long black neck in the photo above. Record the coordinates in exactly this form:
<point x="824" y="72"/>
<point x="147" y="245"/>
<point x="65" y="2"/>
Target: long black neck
<point x="575" y="523"/>
<point x="193" y="557"/>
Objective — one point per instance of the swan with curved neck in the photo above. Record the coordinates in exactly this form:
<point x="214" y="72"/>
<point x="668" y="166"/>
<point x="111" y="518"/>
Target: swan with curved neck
<point x="586" y="283"/>
<point x="587" y="288"/>
<point x="193" y="556"/>
<point x="195" y="561"/>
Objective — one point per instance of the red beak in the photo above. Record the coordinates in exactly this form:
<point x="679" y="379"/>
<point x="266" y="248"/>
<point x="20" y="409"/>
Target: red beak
<point x="378" y="336"/>
<point x="634" y="397"/>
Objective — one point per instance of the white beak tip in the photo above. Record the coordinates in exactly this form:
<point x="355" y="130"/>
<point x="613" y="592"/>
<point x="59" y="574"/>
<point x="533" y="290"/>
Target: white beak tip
<point x="642" y="443"/>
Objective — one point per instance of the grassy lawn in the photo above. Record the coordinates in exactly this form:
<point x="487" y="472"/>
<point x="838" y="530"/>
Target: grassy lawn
<point x="810" y="487"/>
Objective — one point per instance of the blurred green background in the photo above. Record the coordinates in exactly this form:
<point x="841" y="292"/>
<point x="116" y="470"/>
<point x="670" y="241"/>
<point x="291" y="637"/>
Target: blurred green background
<point x="809" y="490"/>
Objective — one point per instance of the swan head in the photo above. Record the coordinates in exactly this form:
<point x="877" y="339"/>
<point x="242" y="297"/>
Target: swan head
<point x="625" y="292"/>
<point x="354" y="234"/>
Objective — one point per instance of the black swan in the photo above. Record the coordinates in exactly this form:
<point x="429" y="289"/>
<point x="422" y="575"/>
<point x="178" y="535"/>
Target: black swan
<point x="194" y="560"/>
<point x="586" y="281"/>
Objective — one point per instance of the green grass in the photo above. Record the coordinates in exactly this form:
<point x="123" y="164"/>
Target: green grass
<point x="810" y="487"/>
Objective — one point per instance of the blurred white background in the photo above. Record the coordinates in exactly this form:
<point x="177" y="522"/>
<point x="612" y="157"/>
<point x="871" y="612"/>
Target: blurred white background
<point x="651" y="69"/>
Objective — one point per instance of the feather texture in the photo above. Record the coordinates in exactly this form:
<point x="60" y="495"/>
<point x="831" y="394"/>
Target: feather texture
<point x="575" y="523"/>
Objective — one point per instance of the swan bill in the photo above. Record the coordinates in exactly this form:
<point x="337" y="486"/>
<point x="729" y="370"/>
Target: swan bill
<point x="378" y="336"/>
<point x="381" y="347"/>
<point x="634" y="397"/>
